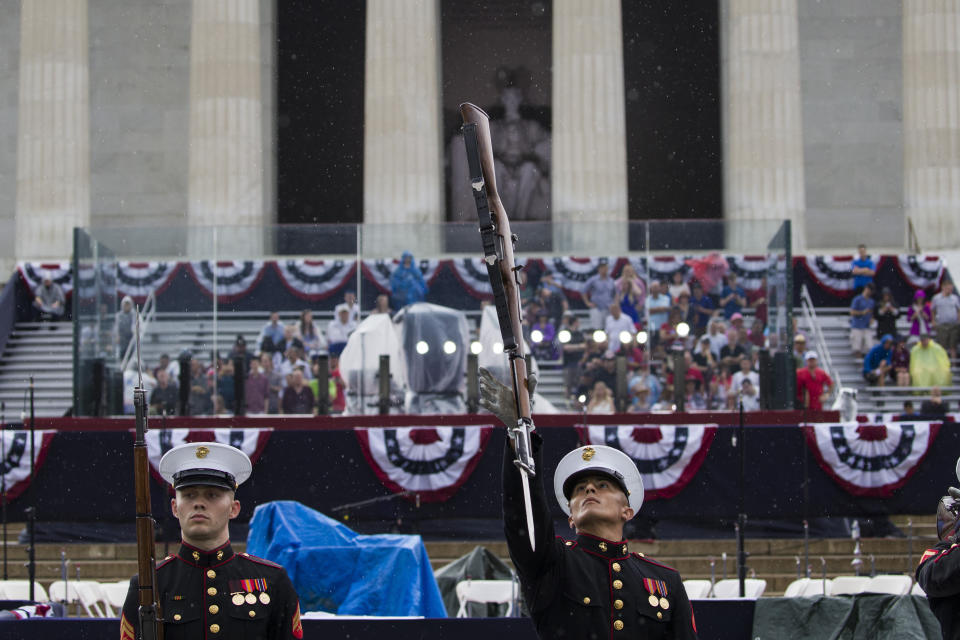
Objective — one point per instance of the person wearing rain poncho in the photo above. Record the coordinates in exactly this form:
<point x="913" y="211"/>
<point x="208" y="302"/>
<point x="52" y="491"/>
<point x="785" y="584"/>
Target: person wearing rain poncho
<point x="406" y="282"/>
<point x="929" y="364"/>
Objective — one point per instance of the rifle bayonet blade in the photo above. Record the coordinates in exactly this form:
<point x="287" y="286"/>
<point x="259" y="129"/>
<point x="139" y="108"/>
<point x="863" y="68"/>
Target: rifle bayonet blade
<point x="528" y="507"/>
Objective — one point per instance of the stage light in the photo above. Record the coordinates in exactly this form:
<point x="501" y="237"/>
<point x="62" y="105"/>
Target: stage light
<point x="626" y="337"/>
<point x="683" y="329"/>
<point x="599" y="336"/>
<point x="476" y="347"/>
<point x="582" y="399"/>
<point x="536" y="336"/>
<point x="422" y="347"/>
<point x="642" y="337"/>
<point x="449" y="347"/>
<point x="563" y="336"/>
<point x="498" y="347"/>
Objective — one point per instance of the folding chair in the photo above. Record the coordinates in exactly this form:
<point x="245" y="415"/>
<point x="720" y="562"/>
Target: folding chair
<point x="486" y="591"/>
<point x="849" y="585"/>
<point x="697" y="589"/>
<point x="20" y="590"/>
<point x="895" y="584"/>
<point x="807" y="588"/>
<point x="730" y="588"/>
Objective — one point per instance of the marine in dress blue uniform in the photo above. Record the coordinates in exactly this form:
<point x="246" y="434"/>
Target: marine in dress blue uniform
<point x="206" y="590"/>
<point x="938" y="572"/>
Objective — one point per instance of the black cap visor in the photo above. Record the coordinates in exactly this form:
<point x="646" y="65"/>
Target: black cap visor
<point x="607" y="472"/>
<point x="204" y="478"/>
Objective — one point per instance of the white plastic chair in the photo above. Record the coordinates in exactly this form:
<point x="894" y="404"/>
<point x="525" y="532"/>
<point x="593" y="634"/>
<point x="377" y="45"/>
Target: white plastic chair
<point x="486" y="591"/>
<point x="807" y="588"/>
<point x="917" y="590"/>
<point x="730" y="588"/>
<point x="849" y="585"/>
<point x="80" y="591"/>
<point x="898" y="585"/>
<point x="20" y="590"/>
<point x="697" y="589"/>
<point x="116" y="593"/>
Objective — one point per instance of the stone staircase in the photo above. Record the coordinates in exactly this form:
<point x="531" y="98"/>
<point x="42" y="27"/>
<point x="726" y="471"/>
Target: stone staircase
<point x="775" y="560"/>
<point x="46" y="352"/>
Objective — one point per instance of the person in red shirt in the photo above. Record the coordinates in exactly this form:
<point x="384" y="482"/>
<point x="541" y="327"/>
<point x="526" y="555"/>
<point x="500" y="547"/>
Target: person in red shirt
<point x="813" y="384"/>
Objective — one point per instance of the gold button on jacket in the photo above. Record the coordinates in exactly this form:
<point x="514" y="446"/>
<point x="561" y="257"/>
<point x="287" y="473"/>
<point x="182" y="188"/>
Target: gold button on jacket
<point x="618" y="625"/>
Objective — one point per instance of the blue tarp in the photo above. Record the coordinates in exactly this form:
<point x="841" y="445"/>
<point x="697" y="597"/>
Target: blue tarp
<point x="337" y="570"/>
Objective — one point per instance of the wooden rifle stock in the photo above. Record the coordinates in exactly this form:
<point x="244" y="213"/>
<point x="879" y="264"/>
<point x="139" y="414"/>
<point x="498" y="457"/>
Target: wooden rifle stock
<point x="151" y="622"/>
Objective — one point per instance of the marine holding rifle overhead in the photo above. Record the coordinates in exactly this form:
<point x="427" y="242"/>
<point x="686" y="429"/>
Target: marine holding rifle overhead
<point x="591" y="586"/>
<point x="206" y="590"/>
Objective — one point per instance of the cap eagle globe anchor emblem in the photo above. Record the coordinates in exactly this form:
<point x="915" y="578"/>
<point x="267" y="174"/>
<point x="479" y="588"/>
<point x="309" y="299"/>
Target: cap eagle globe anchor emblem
<point x="202" y="452"/>
<point x="588" y="453"/>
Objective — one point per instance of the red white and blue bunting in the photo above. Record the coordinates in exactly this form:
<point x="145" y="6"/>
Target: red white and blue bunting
<point x="159" y="441"/>
<point x="667" y="456"/>
<point x="750" y="270"/>
<point x="315" y="279"/>
<point x="833" y="273"/>
<point x="472" y="274"/>
<point x="139" y="279"/>
<point x="379" y="271"/>
<point x="662" y="268"/>
<point x="432" y="462"/>
<point x="235" y="278"/>
<point x="60" y="272"/>
<point x="871" y="460"/>
<point x="572" y="273"/>
<point x="922" y="272"/>
<point x="15" y="466"/>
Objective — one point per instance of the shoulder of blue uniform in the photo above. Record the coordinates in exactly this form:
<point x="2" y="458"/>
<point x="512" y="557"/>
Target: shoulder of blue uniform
<point x="260" y="561"/>
<point x="165" y="561"/>
<point x="643" y="558"/>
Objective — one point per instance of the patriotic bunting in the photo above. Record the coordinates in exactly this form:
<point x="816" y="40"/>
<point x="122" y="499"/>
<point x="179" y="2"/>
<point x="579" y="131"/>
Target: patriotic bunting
<point x="159" y="441"/>
<point x="750" y="270"/>
<point x="234" y="278"/>
<point x="472" y="274"/>
<point x="870" y="460"/>
<point x="60" y="272"/>
<point x="922" y="272"/>
<point x="433" y="462"/>
<point x="668" y="456"/>
<point x="572" y="273"/>
<point x="315" y="279"/>
<point x="139" y="279"/>
<point x="15" y="466"/>
<point x="835" y="274"/>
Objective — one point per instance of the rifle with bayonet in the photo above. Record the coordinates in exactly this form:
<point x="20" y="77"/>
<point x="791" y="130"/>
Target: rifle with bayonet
<point x="151" y="622"/>
<point x="498" y="244"/>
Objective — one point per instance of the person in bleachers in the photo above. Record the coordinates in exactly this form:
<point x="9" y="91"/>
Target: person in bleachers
<point x="225" y="390"/>
<point x="732" y="352"/>
<point x="900" y="362"/>
<point x="546" y="348"/>
<point x="799" y="350"/>
<point x="631" y="294"/>
<point x="256" y="389"/>
<point x="694" y="399"/>
<point x="717" y="336"/>
<point x="749" y="396"/>
<point x="908" y="411"/>
<point x="945" y="308"/>
<point x="929" y="364"/>
<point x="239" y="352"/>
<point x="757" y="300"/>
<point x="878" y="361"/>
<point x="718" y="390"/>
<point x="682" y="302"/>
<point x="572" y="350"/>
<point x="863" y="269"/>
<point x="165" y="396"/>
<point x="677" y="286"/>
<point x="125" y="323"/>
<point x="861" y="316"/>
<point x="668" y="330"/>
<point x="275" y="382"/>
<point x="48" y="300"/>
<point x="271" y="335"/>
<point x="733" y="298"/>
<point x="406" y="283"/>
<point x="297" y="397"/>
<point x="601" y="399"/>
<point x="702" y="309"/>
<point x="350" y="302"/>
<point x="383" y="305"/>
<point x="616" y="323"/>
<point x="310" y="335"/>
<point x="552" y="303"/>
<point x="599" y="292"/>
<point x="639" y="397"/>
<point x="745" y="372"/>
<point x="886" y="313"/>
<point x="813" y="384"/>
<point x="172" y="367"/>
<point x="294" y="360"/>
<point x="702" y="359"/>
<point x="658" y="308"/>
<point x="756" y="336"/>
<point x="339" y="330"/>
<point x="934" y="406"/>
<point x="200" y="402"/>
<point x="919" y="315"/>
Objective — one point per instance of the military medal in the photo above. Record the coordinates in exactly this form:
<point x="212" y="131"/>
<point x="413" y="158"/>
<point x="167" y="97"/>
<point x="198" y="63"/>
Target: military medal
<point x="250" y="598"/>
<point x="664" y="604"/>
<point x="653" y="600"/>
<point x="237" y="599"/>
<point x="264" y="597"/>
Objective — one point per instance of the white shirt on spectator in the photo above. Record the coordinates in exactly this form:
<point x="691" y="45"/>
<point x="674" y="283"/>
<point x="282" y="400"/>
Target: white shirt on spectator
<point x="750" y="403"/>
<point x="338" y="332"/>
<point x="736" y="381"/>
<point x="717" y="342"/>
<point x="286" y="368"/>
<point x="613" y="327"/>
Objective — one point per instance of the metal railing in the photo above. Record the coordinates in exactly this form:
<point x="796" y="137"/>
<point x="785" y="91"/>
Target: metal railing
<point x="809" y="314"/>
<point x="147" y="314"/>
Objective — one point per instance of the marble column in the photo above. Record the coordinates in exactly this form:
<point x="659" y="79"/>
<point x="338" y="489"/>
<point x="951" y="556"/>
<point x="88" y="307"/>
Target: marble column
<point x="226" y="178"/>
<point x="402" y="149"/>
<point x="931" y="121"/>
<point x="589" y="158"/>
<point x="762" y="123"/>
<point x="53" y="140"/>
